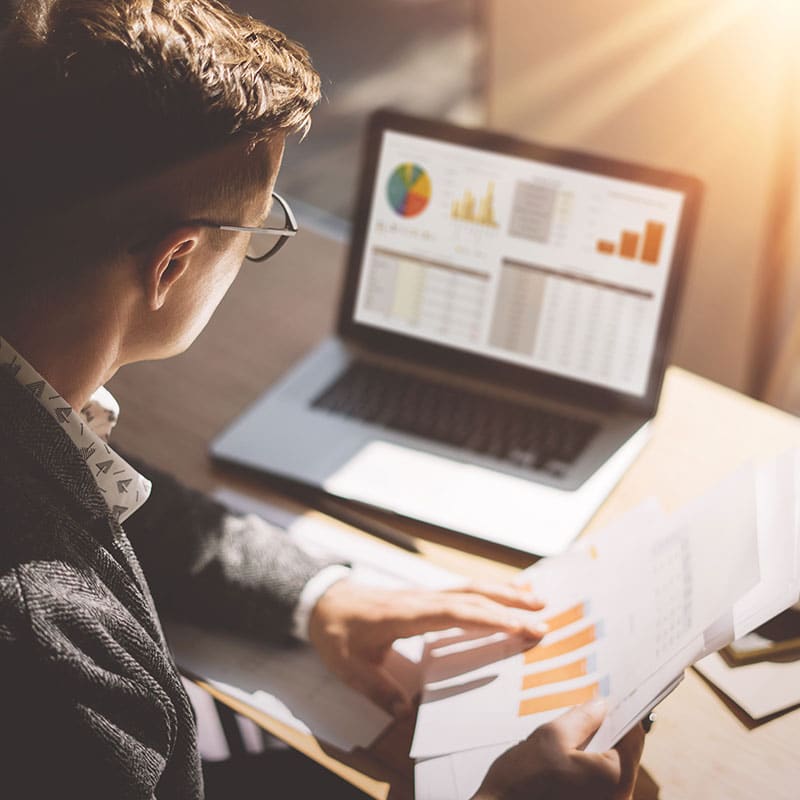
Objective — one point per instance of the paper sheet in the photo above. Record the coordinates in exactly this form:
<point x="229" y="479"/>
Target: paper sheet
<point x="694" y="575"/>
<point x="766" y="687"/>
<point x="601" y="643"/>
<point x="291" y="683"/>
<point x="759" y="689"/>
<point x="777" y="483"/>
<point x="457" y="776"/>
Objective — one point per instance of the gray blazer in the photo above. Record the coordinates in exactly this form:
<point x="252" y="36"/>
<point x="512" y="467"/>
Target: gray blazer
<point x="91" y="704"/>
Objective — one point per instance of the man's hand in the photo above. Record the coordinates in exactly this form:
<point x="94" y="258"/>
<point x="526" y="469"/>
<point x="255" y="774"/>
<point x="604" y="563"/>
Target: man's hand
<point x="550" y="764"/>
<point x="353" y="627"/>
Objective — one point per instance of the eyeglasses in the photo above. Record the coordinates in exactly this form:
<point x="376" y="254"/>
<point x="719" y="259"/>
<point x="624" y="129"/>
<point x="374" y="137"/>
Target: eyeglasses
<point x="262" y="240"/>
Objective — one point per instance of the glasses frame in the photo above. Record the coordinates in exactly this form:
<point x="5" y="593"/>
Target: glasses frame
<point x="285" y="234"/>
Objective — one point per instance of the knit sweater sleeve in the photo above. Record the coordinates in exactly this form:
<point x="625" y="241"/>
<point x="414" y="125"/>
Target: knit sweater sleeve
<point x="205" y="564"/>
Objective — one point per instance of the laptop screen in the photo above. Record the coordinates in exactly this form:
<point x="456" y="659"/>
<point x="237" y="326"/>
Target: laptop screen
<point x="531" y="263"/>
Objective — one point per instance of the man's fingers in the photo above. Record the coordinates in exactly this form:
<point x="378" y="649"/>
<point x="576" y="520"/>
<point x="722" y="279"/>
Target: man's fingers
<point x="505" y="594"/>
<point x="620" y="766"/>
<point x="601" y="770"/>
<point x="377" y="684"/>
<point x="576" y="727"/>
<point x="468" y="611"/>
<point x="629" y="752"/>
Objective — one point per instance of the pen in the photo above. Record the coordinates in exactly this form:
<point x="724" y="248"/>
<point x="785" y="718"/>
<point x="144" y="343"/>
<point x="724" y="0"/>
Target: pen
<point x="648" y="721"/>
<point x="358" y="520"/>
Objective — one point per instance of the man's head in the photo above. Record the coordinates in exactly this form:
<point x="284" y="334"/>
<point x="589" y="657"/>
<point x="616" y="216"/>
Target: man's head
<point x="124" y="120"/>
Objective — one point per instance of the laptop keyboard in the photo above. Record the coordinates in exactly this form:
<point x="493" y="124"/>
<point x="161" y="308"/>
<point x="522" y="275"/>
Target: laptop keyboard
<point x="519" y="434"/>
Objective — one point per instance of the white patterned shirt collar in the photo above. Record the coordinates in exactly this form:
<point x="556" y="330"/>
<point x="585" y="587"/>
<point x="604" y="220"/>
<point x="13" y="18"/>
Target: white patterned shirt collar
<point x="123" y="488"/>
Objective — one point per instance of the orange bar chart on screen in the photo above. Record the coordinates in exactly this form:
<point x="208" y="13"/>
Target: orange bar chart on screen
<point x="606" y="247"/>
<point x="629" y="244"/>
<point x="653" y="236"/>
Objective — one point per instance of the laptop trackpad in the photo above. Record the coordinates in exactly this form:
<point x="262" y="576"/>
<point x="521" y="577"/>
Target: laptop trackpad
<point x="478" y="501"/>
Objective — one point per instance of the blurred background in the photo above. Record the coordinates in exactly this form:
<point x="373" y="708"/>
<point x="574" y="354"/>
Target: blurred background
<point x="426" y="56"/>
<point x="708" y="87"/>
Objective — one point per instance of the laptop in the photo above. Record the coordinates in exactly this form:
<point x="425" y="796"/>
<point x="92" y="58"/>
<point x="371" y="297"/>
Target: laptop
<point x="501" y="342"/>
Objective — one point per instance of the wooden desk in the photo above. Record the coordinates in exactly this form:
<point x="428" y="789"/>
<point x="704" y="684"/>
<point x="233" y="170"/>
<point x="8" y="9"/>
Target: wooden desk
<point x="700" y="747"/>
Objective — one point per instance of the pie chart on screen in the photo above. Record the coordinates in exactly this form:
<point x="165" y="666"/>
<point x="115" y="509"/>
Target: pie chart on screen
<point x="409" y="190"/>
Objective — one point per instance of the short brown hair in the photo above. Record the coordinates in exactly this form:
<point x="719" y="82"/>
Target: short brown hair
<point x="95" y="93"/>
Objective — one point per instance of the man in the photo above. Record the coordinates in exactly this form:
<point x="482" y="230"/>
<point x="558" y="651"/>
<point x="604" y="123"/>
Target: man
<point x="140" y="138"/>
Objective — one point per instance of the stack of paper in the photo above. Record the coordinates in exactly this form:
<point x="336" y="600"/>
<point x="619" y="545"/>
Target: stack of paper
<point x="629" y="608"/>
<point x="759" y="689"/>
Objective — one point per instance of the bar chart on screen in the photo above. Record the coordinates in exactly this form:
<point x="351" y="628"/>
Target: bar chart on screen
<point x="467" y="208"/>
<point x="632" y="228"/>
<point x="472" y="219"/>
<point x="633" y="245"/>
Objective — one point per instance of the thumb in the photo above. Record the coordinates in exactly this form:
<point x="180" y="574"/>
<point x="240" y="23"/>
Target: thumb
<point x="576" y="726"/>
<point x="377" y="684"/>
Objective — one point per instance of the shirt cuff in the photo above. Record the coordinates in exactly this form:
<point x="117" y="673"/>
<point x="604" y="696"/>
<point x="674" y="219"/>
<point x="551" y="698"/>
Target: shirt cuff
<point x="312" y="592"/>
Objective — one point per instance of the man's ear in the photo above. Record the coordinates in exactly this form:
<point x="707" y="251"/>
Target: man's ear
<point x="167" y="262"/>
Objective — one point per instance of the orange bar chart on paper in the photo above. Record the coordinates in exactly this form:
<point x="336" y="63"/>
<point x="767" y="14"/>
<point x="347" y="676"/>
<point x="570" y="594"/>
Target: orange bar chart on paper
<point x="565" y="699"/>
<point x="568" y="644"/>
<point x="575" y="669"/>
<point x="567" y="617"/>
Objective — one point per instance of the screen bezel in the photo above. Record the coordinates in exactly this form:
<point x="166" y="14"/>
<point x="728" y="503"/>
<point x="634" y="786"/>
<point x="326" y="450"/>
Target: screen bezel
<point x="520" y="378"/>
